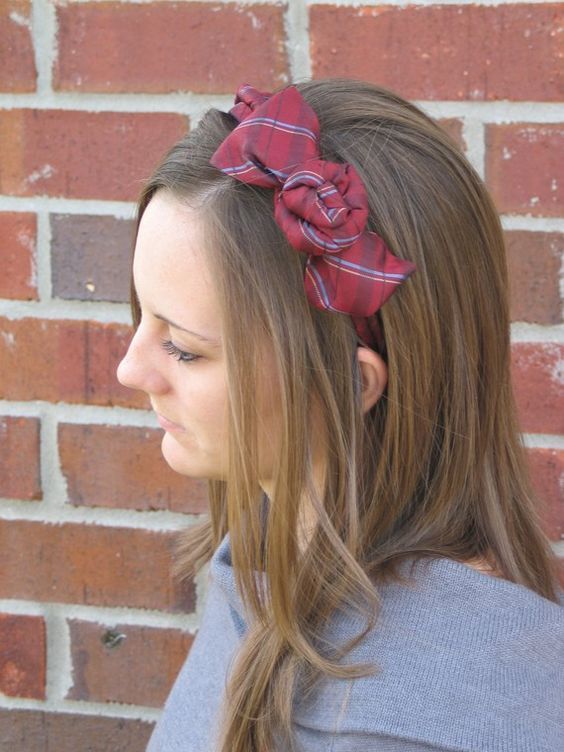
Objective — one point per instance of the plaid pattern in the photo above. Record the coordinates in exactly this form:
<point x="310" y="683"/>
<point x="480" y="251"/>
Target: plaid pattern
<point x="321" y="206"/>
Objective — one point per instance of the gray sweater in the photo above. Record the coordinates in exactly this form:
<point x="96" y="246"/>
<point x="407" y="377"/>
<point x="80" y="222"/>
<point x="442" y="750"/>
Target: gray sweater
<point x="470" y="663"/>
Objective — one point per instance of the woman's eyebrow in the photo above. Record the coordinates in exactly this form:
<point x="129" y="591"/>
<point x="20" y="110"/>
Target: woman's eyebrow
<point x="207" y="340"/>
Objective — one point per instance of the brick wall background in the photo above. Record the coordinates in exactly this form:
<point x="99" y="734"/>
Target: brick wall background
<point x="92" y="630"/>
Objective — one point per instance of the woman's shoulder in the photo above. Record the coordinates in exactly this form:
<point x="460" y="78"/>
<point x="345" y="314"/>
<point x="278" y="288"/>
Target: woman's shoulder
<point x="465" y="660"/>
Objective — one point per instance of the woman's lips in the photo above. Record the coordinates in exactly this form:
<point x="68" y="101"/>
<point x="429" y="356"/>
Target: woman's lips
<point x="168" y="425"/>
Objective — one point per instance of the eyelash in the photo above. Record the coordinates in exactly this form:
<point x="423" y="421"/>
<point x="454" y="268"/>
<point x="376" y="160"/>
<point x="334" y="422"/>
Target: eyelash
<point x="180" y="355"/>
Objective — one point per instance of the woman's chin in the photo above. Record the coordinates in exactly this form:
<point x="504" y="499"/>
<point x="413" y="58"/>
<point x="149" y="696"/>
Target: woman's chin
<point x="179" y="458"/>
<point x="187" y="460"/>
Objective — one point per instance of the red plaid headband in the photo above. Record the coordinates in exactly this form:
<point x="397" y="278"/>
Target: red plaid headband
<point x="321" y="206"/>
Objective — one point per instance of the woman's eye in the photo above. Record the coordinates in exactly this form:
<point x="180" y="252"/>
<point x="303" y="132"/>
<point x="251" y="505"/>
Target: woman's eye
<point x="180" y="355"/>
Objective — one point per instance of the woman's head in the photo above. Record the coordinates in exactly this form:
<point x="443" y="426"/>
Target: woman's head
<point x="409" y="451"/>
<point x="177" y="354"/>
<point x="208" y="248"/>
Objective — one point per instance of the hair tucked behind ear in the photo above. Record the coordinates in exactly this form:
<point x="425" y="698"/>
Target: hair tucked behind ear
<point x="435" y="468"/>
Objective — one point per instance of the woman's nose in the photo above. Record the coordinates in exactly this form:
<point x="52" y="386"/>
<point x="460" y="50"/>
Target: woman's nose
<point x="137" y="369"/>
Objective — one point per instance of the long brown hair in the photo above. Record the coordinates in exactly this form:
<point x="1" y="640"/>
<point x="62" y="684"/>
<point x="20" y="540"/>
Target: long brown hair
<point x="435" y="468"/>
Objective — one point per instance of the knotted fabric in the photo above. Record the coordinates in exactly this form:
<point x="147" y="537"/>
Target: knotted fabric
<point x="321" y="206"/>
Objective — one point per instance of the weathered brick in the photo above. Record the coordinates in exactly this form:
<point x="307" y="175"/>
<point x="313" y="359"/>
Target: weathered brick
<point x="77" y="154"/>
<point x="165" y="47"/>
<point x="91" y="257"/>
<point x="90" y="565"/>
<point x="537" y="382"/>
<point x="17" y="62"/>
<point x="22" y="656"/>
<point x="135" y="474"/>
<point x="547" y="474"/>
<point x="125" y="663"/>
<point x="19" y="458"/>
<point x="525" y="169"/>
<point x="18" y="231"/>
<point x="37" y="731"/>
<point x="534" y="260"/>
<point x="508" y="51"/>
<point x="67" y="360"/>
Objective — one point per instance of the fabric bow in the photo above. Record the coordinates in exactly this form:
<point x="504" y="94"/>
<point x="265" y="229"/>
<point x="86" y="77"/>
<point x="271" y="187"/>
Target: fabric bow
<point x="321" y="206"/>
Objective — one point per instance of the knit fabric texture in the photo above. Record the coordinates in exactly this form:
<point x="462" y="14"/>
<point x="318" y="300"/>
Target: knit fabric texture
<point x="470" y="663"/>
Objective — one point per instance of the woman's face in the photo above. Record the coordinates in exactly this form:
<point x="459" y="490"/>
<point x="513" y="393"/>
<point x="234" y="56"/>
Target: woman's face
<point x="176" y="355"/>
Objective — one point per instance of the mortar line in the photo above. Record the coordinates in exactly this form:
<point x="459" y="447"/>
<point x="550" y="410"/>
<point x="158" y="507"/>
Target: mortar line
<point x="58" y="660"/>
<point x="126" y="210"/>
<point x="56" y="205"/>
<point x="75" y="310"/>
<point x="543" y="441"/>
<point x="44" y="37"/>
<point x="191" y="104"/>
<point x="119" y="314"/>
<point x="296" y="25"/>
<point x="522" y="331"/>
<point x="65" y="412"/>
<point x="108" y="616"/>
<point x="347" y="3"/>
<point x="43" y="256"/>
<point x="473" y="133"/>
<point x="151" y="521"/>
<point x="81" y="707"/>
<point x="53" y="482"/>
<point x="406" y="3"/>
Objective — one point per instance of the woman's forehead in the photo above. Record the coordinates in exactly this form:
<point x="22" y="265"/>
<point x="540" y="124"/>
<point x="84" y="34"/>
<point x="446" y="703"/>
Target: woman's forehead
<point x="170" y="267"/>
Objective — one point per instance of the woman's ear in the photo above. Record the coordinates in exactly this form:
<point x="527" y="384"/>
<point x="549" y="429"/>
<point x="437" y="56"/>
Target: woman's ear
<point x="374" y="373"/>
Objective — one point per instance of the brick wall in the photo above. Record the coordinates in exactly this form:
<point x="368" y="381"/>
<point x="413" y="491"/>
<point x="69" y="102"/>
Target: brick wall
<point x="92" y="629"/>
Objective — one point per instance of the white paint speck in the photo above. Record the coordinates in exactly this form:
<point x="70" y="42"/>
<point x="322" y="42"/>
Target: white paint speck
<point x="554" y="184"/>
<point x="32" y="279"/>
<point x="507" y="153"/>
<point x="9" y="339"/>
<point x="26" y="240"/>
<point x="557" y="373"/>
<point x="46" y="171"/>
<point x="256" y="22"/>
<point x="534" y="200"/>
<point x="20" y="20"/>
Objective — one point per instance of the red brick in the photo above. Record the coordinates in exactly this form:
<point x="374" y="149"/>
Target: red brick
<point x="105" y="155"/>
<point x="547" y="474"/>
<point x="22" y="656"/>
<point x="37" y="731"/>
<point x="89" y="564"/>
<point x="165" y="47"/>
<point x="64" y="361"/>
<point x="135" y="475"/>
<point x="453" y="126"/>
<point x="525" y="169"/>
<point x="17" y="62"/>
<point x="18" y="231"/>
<point x="537" y="383"/>
<point x="19" y="458"/>
<point x="443" y="51"/>
<point x="125" y="663"/>
<point x="91" y="257"/>
<point x="534" y="260"/>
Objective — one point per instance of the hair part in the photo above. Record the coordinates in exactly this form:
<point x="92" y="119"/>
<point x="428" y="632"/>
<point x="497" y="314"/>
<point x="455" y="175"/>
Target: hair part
<point x="435" y="469"/>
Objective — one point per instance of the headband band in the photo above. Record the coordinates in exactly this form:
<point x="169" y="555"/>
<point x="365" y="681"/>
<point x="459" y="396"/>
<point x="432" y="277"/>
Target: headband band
<point x="321" y="206"/>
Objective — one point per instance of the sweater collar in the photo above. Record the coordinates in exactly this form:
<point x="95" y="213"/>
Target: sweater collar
<point x="445" y="577"/>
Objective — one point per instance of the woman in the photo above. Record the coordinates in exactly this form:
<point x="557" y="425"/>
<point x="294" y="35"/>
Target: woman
<point x="320" y="303"/>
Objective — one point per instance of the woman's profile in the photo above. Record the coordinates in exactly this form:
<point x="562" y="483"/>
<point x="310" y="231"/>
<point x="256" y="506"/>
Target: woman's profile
<point x="319" y="293"/>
